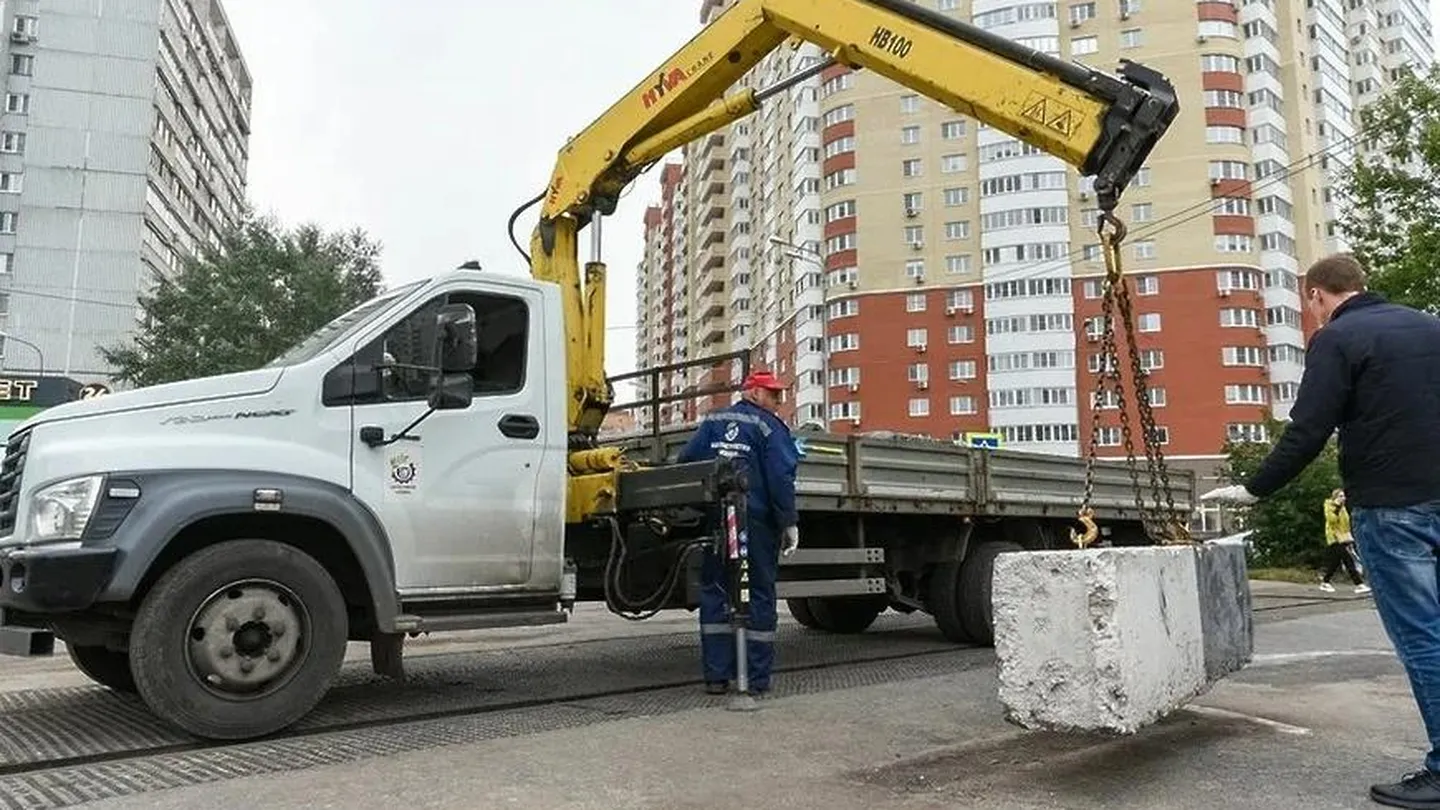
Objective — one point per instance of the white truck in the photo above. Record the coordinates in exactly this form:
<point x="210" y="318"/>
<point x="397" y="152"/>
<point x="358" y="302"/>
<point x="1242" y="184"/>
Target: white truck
<point x="214" y="543"/>
<point x="430" y="460"/>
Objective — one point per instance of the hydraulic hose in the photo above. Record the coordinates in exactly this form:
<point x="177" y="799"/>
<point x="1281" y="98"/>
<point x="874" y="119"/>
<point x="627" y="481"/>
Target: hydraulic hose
<point x="510" y="227"/>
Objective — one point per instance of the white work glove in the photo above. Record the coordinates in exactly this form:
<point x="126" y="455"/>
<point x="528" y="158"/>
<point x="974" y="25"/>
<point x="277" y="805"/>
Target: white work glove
<point x="790" y="542"/>
<point x="1235" y="494"/>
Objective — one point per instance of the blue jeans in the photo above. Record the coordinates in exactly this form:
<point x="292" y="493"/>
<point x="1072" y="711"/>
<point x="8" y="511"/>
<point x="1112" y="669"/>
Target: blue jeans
<point x="1399" y="548"/>
<point x="717" y="640"/>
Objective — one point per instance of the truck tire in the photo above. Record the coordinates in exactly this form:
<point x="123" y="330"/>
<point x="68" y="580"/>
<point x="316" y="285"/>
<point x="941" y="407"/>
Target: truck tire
<point x="800" y="609"/>
<point x="846" y="614"/>
<point x="239" y="639"/>
<point x="976" y="584"/>
<point x="103" y="666"/>
<point x="959" y="596"/>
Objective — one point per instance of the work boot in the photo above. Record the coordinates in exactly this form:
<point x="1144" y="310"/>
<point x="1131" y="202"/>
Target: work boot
<point x="1362" y="589"/>
<point x="1419" y="790"/>
<point x="717" y="687"/>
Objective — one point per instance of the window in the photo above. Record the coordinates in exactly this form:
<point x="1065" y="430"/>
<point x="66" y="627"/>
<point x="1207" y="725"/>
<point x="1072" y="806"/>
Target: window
<point x="17" y="102"/>
<point x="915" y="338"/>
<point x="845" y="308"/>
<point x="22" y="64"/>
<point x="962" y="405"/>
<point x="840" y="146"/>
<point x="915" y="268"/>
<point x="963" y="369"/>
<point x="1224" y="98"/>
<point x="1080" y="12"/>
<point x="1234" y="316"/>
<point x="918" y="372"/>
<point x="956" y="197"/>
<point x="957" y="263"/>
<point x="915" y="302"/>
<point x="839" y="114"/>
<point x="835" y="244"/>
<point x="1245" y="432"/>
<point x="1083" y="45"/>
<point x="1245" y="395"/>
<point x="909" y="103"/>
<point x="947" y="5"/>
<point x="1148" y="322"/>
<point x="848" y="342"/>
<point x="963" y="333"/>
<point x="1242" y="356"/>
<point x="910" y="135"/>
<point x="912" y="201"/>
<point x="26" y="25"/>
<point x="840" y="210"/>
<point x="1128" y="7"/>
<point x="1219" y="63"/>
<point x="9" y="220"/>
<point x="914" y="234"/>
<point x="1131" y="38"/>
<point x="911" y="167"/>
<point x="1151" y="359"/>
<point x="957" y="230"/>
<point x="950" y="164"/>
<point x="952" y="130"/>
<point x="1147" y="285"/>
<point x="7" y="261"/>
<point x="380" y="372"/>
<point x="1142" y="212"/>
<point x="1224" y="135"/>
<point x="1217" y="28"/>
<point x="1145" y="249"/>
<point x="919" y="407"/>
<point x="12" y="143"/>
<point x="843" y="177"/>
<point x="10" y="182"/>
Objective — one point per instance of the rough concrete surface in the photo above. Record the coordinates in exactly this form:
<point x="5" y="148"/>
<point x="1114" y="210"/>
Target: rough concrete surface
<point x="1114" y="639"/>
<point x="1321" y="713"/>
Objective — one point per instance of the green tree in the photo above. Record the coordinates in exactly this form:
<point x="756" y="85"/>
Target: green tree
<point x="239" y="305"/>
<point x="1288" y="528"/>
<point x="1392" y="192"/>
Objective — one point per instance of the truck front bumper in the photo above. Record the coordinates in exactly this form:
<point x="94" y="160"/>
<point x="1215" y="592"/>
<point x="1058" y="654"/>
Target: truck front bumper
<point x="54" y="579"/>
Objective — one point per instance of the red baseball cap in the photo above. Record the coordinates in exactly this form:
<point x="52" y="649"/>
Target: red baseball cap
<point x="762" y="379"/>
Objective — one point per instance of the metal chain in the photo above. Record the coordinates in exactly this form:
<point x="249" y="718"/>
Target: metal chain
<point x="1164" y="528"/>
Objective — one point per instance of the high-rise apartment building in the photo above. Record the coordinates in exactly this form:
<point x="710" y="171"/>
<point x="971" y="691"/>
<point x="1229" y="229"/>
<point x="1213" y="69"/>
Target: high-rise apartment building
<point x="962" y="267"/>
<point x="123" y="142"/>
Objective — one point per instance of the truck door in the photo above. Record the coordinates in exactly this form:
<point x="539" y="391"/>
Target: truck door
<point x="458" y="501"/>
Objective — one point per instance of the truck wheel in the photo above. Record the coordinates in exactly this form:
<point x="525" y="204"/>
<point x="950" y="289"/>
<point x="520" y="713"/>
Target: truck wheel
<point x="845" y="614"/>
<point x="800" y="609"/>
<point x="104" y="666"/>
<point x="239" y="639"/>
<point x="976" y="581"/>
<point x="959" y="597"/>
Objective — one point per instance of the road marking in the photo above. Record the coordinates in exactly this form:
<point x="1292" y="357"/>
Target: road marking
<point x="1312" y="655"/>
<point x="1284" y="728"/>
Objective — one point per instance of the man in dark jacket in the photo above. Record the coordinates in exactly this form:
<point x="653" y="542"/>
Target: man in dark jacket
<point x="1373" y="371"/>
<point x="750" y="431"/>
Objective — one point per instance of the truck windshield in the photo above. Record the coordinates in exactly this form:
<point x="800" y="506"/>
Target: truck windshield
<point x="323" y="338"/>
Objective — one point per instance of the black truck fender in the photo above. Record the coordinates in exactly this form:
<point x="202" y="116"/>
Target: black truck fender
<point x="176" y="505"/>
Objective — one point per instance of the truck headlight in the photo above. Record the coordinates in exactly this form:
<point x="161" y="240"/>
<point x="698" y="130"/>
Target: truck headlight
<point x="60" y="511"/>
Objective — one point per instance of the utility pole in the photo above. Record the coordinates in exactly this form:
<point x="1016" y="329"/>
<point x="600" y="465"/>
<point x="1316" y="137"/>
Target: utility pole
<point x="794" y="251"/>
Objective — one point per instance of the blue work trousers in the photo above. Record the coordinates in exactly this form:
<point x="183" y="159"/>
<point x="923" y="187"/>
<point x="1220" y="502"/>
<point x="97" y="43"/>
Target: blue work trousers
<point x="717" y="637"/>
<point x="1399" y="548"/>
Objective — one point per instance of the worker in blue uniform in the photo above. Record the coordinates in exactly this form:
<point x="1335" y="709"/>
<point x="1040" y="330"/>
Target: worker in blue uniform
<point x="749" y="431"/>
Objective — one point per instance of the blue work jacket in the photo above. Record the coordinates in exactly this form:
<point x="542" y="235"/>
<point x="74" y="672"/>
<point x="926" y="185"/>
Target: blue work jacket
<point x="768" y="454"/>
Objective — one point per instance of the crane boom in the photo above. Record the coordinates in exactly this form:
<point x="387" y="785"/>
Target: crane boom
<point x="1103" y="124"/>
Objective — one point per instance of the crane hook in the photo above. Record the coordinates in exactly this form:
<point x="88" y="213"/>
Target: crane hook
<point x="1087" y="519"/>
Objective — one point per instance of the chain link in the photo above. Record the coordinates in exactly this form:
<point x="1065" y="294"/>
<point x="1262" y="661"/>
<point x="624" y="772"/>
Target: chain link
<point x="1161" y="524"/>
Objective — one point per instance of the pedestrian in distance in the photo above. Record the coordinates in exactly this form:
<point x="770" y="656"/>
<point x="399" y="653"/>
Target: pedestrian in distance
<point x="1340" y="544"/>
<point x="1373" y="371"/>
<point x="748" y="431"/>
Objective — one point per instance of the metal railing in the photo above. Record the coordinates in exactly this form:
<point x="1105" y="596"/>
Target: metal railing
<point x="653" y="377"/>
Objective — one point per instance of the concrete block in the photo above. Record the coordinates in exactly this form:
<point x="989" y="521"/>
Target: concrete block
<point x="1113" y="639"/>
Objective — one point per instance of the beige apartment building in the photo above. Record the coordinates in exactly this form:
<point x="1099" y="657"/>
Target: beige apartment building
<point x="910" y="270"/>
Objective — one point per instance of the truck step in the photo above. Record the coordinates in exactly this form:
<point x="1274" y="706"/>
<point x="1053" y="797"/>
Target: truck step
<point x="439" y="622"/>
<point x="834" y="556"/>
<point x="796" y="589"/>
<point x="26" y="641"/>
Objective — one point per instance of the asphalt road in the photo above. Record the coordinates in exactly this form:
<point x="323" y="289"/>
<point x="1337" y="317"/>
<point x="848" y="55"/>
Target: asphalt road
<point x="1322" y="712"/>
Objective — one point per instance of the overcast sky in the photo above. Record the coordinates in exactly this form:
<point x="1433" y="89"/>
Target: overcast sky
<point x="427" y="122"/>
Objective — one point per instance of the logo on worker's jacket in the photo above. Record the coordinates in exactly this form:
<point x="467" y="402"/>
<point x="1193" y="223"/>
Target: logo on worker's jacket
<point x="732" y="431"/>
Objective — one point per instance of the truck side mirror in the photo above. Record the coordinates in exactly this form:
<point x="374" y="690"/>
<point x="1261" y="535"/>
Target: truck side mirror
<point x="452" y="392"/>
<point x="456" y="339"/>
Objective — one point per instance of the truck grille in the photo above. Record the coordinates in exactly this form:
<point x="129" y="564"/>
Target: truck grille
<point x="10" y="472"/>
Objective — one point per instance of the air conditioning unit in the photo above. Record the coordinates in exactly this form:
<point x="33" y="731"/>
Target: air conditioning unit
<point x="921" y="385"/>
<point x="950" y="312"/>
<point x="854" y="388"/>
<point x="920" y="279"/>
<point x="22" y="37"/>
<point x="911" y="213"/>
<point x="1074" y="23"/>
<point x="1202" y="39"/>
<point x="920" y="349"/>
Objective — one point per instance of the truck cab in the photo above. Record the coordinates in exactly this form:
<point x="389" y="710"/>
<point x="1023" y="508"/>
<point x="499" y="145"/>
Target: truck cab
<point x="173" y="517"/>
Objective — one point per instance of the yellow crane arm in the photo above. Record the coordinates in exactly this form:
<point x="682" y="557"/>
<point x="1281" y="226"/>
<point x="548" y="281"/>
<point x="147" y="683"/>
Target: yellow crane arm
<point x="1103" y="124"/>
